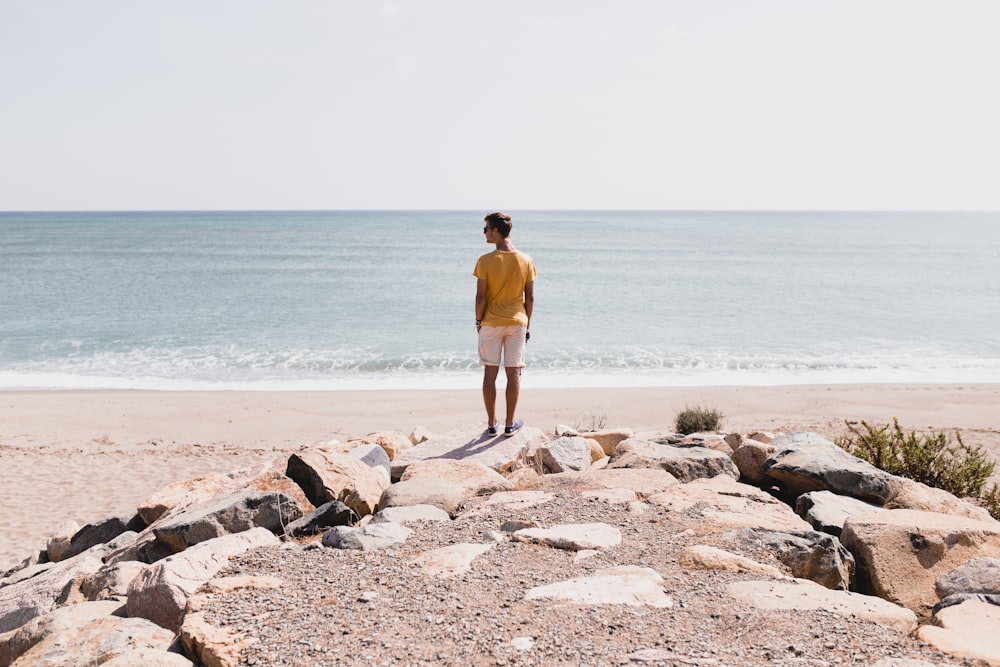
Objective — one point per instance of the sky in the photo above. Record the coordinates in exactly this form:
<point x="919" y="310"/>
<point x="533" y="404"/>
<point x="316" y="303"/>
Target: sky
<point x="537" y="104"/>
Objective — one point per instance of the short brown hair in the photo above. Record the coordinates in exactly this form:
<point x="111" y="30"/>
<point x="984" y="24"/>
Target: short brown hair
<point x="499" y="221"/>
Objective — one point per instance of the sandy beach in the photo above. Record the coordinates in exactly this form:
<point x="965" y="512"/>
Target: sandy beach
<point x="84" y="455"/>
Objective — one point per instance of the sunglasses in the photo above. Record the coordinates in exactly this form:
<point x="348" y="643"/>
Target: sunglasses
<point x="486" y="229"/>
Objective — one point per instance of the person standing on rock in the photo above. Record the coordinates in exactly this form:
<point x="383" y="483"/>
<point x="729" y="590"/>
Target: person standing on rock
<point x="505" y="297"/>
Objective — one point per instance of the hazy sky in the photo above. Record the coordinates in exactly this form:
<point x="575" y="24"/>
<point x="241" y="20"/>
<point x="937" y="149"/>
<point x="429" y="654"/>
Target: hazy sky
<point x="457" y="104"/>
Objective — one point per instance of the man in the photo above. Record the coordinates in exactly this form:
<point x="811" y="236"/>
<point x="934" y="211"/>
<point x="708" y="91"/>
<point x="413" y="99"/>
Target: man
<point x="505" y="296"/>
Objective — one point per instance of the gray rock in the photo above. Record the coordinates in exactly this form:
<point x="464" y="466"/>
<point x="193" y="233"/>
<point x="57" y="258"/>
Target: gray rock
<point x="804" y="462"/>
<point x="826" y="511"/>
<point x="684" y="463"/>
<point x="809" y="555"/>
<point x="424" y="491"/>
<point x="959" y="598"/>
<point x="325" y="475"/>
<point x="228" y="514"/>
<point x="564" y="454"/>
<point x="333" y="513"/>
<point x="372" y="537"/>
<point x="101" y="532"/>
<point x="111" y="581"/>
<point x="979" y="575"/>
<point x="572" y="537"/>
<point x="373" y="456"/>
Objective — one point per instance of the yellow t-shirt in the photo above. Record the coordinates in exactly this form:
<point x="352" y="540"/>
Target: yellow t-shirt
<point x="506" y="272"/>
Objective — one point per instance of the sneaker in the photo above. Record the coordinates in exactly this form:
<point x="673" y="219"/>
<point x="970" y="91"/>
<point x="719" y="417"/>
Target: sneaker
<point x="513" y="428"/>
<point x="491" y="430"/>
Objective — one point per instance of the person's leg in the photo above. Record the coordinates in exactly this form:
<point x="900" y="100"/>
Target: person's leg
<point x="490" y="374"/>
<point x="513" y="391"/>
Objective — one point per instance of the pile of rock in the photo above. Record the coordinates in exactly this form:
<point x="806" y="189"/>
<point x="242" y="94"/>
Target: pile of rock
<point x="860" y="542"/>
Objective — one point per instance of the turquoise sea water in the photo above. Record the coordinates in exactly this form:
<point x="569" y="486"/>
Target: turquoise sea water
<point x="331" y="300"/>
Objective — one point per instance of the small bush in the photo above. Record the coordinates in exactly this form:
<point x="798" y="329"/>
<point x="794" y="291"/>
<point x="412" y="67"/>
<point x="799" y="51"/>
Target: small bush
<point x="595" y="421"/>
<point x="957" y="468"/>
<point x="694" y="420"/>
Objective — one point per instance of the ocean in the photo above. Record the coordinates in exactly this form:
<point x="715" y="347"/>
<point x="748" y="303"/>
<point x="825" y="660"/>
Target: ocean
<point x="265" y="300"/>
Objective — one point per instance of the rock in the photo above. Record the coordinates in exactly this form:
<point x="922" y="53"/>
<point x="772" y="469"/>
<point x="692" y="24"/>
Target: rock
<point x="423" y="491"/>
<point x="684" y="463"/>
<point x="608" y="439"/>
<point x="564" y="454"/>
<point x="979" y="575"/>
<point x="59" y="542"/>
<point x="372" y="456"/>
<point x="803" y="595"/>
<point x="734" y="440"/>
<point x="807" y="554"/>
<point x="572" y="537"/>
<point x="473" y="479"/>
<point x="472" y="444"/>
<point x="626" y="585"/>
<point x="160" y="593"/>
<point x="224" y="585"/>
<point x="101" y="532"/>
<point x="212" y="646"/>
<point x="749" y="459"/>
<point x="271" y="477"/>
<point x="762" y="436"/>
<point x="98" y="642"/>
<point x="510" y="500"/>
<point x="643" y="481"/>
<point x="325" y="476"/>
<point x="804" y="462"/>
<point x="111" y="581"/>
<point x="367" y="538"/>
<point x="726" y="504"/>
<point x="450" y="561"/>
<point x="702" y="557"/>
<point x="969" y="630"/>
<point x="15" y="643"/>
<point x="333" y="513"/>
<point x="910" y="494"/>
<point x="900" y="553"/>
<point x="410" y="514"/>
<point x="149" y="657"/>
<point x="827" y="511"/>
<point x="182" y="494"/>
<point x="23" y="601"/>
<point x="231" y="513"/>
<point x="393" y="443"/>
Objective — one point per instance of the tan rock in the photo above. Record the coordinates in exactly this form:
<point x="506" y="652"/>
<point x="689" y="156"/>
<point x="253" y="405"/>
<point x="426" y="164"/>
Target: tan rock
<point x="900" y="553"/>
<point x="914" y="495"/>
<point x="451" y="560"/>
<point x="97" y="642"/>
<point x="572" y="537"/>
<point x="511" y="501"/>
<point x="703" y="557"/>
<point x="393" y="442"/>
<point x="626" y="585"/>
<point x="15" y="643"/>
<point x="325" y="475"/>
<point x="970" y="630"/>
<point x="60" y="540"/>
<point x="749" y="459"/>
<point x="608" y="439"/>
<point x="111" y="580"/>
<point x="222" y="585"/>
<point x="212" y="646"/>
<point x="424" y="491"/>
<point x="643" y="481"/>
<point x="473" y="444"/>
<point x="805" y="595"/>
<point x="472" y="478"/>
<point x="725" y="504"/>
<point x="183" y="493"/>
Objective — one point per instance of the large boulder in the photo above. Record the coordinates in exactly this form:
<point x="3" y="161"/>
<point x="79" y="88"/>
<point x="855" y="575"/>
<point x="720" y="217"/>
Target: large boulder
<point x="804" y="462"/>
<point x="372" y="537"/>
<point x="684" y="463"/>
<point x="979" y="576"/>
<point x="101" y="532"/>
<point x="749" y="458"/>
<point x="18" y="641"/>
<point x="807" y="555"/>
<point x="900" y="553"/>
<point x="474" y="479"/>
<point x="23" y="601"/>
<point x="231" y="513"/>
<point x="424" y="491"/>
<point x="473" y="444"/>
<point x="969" y="630"/>
<point x="608" y="439"/>
<point x="568" y="453"/>
<point x="161" y="592"/>
<point x="326" y="475"/>
<point x="333" y="513"/>
<point x="184" y="493"/>
<point x="827" y="511"/>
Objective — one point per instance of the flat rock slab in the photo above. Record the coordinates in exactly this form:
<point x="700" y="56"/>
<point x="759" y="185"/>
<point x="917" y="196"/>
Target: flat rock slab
<point x="967" y="630"/>
<point x="451" y="560"/>
<point x="629" y="585"/>
<point x="803" y="595"/>
<point x="99" y="641"/>
<point x="410" y="514"/>
<point x="684" y="463"/>
<point x="704" y="557"/>
<point x="367" y="538"/>
<point x="472" y="444"/>
<point x="572" y="536"/>
<point x="510" y="500"/>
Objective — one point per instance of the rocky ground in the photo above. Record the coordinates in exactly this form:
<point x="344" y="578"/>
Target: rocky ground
<point x="342" y="607"/>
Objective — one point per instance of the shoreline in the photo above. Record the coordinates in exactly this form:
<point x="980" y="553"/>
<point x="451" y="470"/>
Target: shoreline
<point x="88" y="454"/>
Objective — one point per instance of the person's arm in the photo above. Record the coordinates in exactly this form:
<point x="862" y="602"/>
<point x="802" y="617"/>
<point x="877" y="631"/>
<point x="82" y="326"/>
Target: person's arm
<point x="480" y="301"/>
<point x="529" y="299"/>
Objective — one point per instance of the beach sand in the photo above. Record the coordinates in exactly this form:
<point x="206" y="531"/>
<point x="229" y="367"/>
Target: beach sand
<point x="85" y="455"/>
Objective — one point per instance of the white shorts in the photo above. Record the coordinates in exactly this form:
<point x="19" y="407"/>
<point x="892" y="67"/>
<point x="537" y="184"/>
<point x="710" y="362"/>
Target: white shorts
<point x="508" y="340"/>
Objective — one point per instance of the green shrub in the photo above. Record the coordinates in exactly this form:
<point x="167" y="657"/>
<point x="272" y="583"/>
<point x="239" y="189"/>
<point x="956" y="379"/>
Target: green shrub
<point x="694" y="420"/>
<point x="931" y="459"/>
